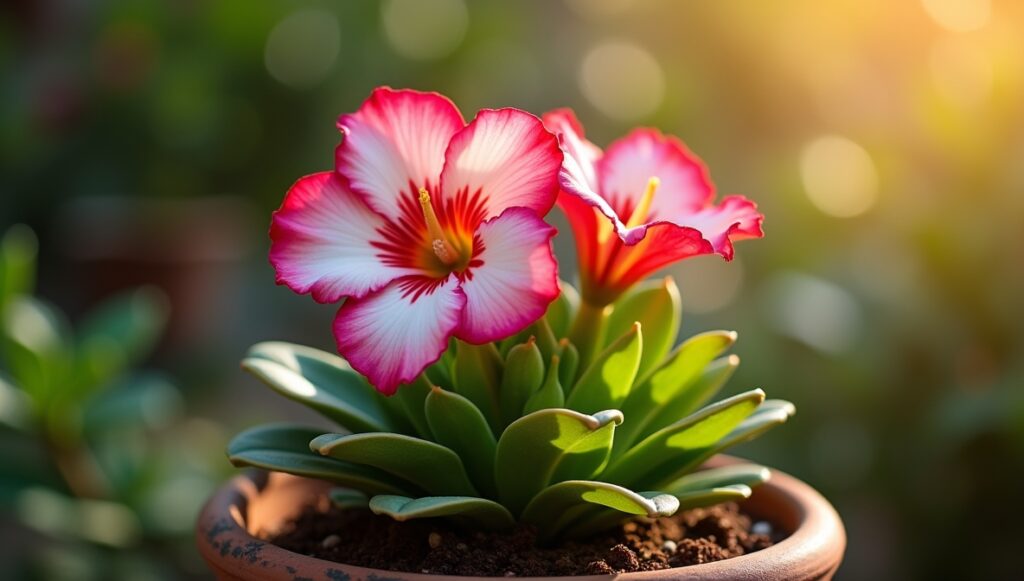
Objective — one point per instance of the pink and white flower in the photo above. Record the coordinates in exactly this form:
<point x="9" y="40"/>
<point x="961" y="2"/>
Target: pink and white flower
<point x="642" y="204"/>
<point x="429" y="228"/>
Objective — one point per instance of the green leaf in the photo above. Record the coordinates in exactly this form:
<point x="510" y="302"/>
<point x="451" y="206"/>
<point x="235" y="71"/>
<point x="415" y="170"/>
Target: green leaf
<point x="712" y="496"/>
<point x="347" y="498"/>
<point x="118" y="334"/>
<point x="285" y="448"/>
<point x="15" y="406"/>
<point x="321" y="381"/>
<point x="595" y="518"/>
<point x="458" y="425"/>
<point x="610" y="377"/>
<point x="548" y="446"/>
<point x="477" y="373"/>
<point x="36" y="342"/>
<point x="434" y="468"/>
<point x="146" y="401"/>
<point x="524" y="374"/>
<point x="747" y="474"/>
<point x="18" y="249"/>
<point x="558" y="505"/>
<point x="673" y="451"/>
<point x="677" y="387"/>
<point x="657" y="307"/>
<point x="410" y="399"/>
<point x="550" y="395"/>
<point x="569" y="361"/>
<point x="771" y="413"/>
<point x="476" y="512"/>
<point x="562" y="311"/>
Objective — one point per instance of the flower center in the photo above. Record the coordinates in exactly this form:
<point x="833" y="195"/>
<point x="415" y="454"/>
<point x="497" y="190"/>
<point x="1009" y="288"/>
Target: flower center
<point x="439" y="242"/>
<point x="640" y="212"/>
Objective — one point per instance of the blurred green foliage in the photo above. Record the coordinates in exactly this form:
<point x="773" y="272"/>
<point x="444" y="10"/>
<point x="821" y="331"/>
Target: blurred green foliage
<point x="897" y="330"/>
<point x="95" y="458"/>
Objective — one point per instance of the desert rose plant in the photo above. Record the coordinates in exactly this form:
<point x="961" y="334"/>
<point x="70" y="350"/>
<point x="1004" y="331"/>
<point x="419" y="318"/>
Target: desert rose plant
<point x="472" y="383"/>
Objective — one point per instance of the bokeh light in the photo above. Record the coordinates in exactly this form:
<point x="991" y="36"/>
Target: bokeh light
<point x="424" y="29"/>
<point x="302" y="48"/>
<point x="622" y="80"/>
<point x="959" y="15"/>
<point x="816" y="312"/>
<point x="839" y="177"/>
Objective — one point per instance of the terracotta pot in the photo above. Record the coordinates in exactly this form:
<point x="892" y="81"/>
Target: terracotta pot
<point x="263" y="503"/>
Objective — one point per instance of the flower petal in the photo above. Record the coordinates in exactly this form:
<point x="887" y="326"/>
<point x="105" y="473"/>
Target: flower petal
<point x="504" y="158"/>
<point x="391" y="336"/>
<point x="663" y="244"/>
<point x="735" y="218"/>
<point x="512" y="279"/>
<point x="394" y="144"/>
<point x="579" y="168"/>
<point x="322" y="241"/>
<point x="630" y="162"/>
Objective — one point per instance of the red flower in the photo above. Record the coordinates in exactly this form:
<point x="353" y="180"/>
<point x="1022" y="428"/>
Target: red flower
<point x="641" y="205"/>
<point x="430" y="228"/>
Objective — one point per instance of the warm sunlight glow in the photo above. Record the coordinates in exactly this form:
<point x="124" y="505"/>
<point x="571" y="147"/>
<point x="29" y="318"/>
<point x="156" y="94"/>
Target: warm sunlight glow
<point x="839" y="176"/>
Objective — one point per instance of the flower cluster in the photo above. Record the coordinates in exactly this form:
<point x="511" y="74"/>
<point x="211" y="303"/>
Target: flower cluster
<point x="473" y="382"/>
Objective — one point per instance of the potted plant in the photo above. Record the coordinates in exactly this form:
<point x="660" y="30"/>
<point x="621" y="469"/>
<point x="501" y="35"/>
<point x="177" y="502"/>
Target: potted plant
<point x="495" y="421"/>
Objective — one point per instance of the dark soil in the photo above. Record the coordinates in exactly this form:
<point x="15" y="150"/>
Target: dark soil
<point x="358" y="537"/>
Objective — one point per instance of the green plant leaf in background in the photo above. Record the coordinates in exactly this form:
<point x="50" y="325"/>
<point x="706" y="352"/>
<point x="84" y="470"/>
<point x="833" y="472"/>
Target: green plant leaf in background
<point x="678" y="447"/>
<point x="320" y="380"/>
<point x="118" y="334"/>
<point x="551" y="445"/>
<point x="569" y="361"/>
<point x="748" y="474"/>
<point x="468" y="510"/>
<point x="433" y="467"/>
<point x="656" y="305"/>
<point x="347" y="498"/>
<point x="285" y="448"/>
<point x="712" y="496"/>
<point x="562" y="311"/>
<point x="608" y="380"/>
<point x="408" y="401"/>
<point x="458" y="425"/>
<point x="36" y="343"/>
<point x="18" y="249"/>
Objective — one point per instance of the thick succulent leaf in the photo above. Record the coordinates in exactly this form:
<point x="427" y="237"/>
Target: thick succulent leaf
<point x="713" y="496"/>
<point x="678" y="386"/>
<point x="117" y="334"/>
<point x="434" y="468"/>
<point x="409" y="401"/>
<point x="348" y="498"/>
<point x="458" y="425"/>
<point x="747" y="474"/>
<point x="657" y="307"/>
<point x="595" y="519"/>
<point x="609" y="379"/>
<point x="548" y="446"/>
<point x="678" y="448"/>
<point x="561" y="504"/>
<point x="285" y="448"/>
<point x="524" y="374"/>
<point x="563" y="310"/>
<point x="320" y="380"/>
<point x="550" y="395"/>
<point x="771" y="413"/>
<point x="477" y="373"/>
<point x="472" y="511"/>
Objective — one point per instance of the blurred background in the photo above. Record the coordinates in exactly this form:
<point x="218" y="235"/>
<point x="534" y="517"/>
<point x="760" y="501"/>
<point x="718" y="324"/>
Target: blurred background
<point x="143" y="145"/>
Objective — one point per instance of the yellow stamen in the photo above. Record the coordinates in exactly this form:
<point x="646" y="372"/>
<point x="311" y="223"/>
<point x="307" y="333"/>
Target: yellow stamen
<point x="640" y="212"/>
<point x="442" y="247"/>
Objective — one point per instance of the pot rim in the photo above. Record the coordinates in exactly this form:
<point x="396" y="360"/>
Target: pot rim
<point x="813" y="549"/>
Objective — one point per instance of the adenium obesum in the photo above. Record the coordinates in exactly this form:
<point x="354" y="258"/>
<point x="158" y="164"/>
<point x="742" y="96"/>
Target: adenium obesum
<point x="430" y="228"/>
